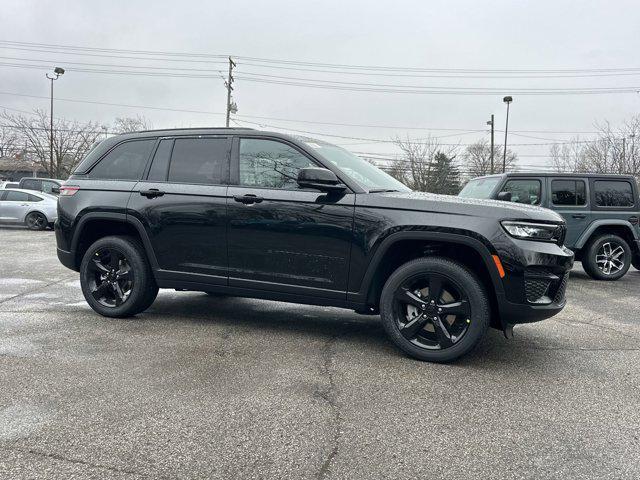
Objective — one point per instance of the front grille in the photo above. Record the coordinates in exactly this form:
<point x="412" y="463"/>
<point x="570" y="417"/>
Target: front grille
<point x="543" y="286"/>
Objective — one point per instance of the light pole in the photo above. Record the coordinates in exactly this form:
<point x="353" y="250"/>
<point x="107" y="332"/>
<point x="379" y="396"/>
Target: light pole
<point x="57" y="71"/>
<point x="506" y="100"/>
<point x="491" y="122"/>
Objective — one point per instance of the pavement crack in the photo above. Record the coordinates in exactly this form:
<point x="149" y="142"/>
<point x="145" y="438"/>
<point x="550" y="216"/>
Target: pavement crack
<point x="329" y="395"/>
<point x="40" y="287"/>
<point x="62" y="458"/>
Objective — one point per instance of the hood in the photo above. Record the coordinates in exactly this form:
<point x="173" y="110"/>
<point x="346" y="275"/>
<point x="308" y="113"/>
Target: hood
<point x="494" y="209"/>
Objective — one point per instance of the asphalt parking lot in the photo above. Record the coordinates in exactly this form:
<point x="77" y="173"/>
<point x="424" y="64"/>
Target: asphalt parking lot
<point x="201" y="387"/>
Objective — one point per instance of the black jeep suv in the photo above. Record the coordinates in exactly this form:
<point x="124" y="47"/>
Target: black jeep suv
<point x="265" y="215"/>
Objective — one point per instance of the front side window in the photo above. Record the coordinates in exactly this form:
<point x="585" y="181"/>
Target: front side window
<point x="16" y="197"/>
<point x="613" y="193"/>
<point x="568" y="192"/>
<point x="124" y="162"/>
<point x="48" y="187"/>
<point x="199" y="160"/>
<point x="524" y="191"/>
<point x="270" y="164"/>
<point x="31" y="184"/>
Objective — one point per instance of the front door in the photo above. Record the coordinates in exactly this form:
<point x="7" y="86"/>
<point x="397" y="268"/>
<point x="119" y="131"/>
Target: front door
<point x="283" y="238"/>
<point x="182" y="204"/>
<point x="14" y="205"/>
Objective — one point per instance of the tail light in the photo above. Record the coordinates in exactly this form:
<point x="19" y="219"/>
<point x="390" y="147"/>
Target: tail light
<point x="68" y="190"/>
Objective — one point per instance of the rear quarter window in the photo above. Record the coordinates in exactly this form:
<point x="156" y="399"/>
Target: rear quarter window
<point x="124" y="162"/>
<point x="613" y="193"/>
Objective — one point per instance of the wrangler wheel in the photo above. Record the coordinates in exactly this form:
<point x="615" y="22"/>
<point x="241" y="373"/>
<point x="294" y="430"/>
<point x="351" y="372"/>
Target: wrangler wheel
<point x="607" y="257"/>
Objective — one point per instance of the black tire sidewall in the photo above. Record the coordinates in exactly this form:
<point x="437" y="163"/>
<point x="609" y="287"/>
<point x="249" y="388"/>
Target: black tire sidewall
<point x="589" y="261"/>
<point x="460" y="276"/>
<point x="140" y="271"/>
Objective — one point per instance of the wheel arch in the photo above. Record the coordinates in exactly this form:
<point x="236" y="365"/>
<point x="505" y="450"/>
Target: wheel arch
<point x="96" y="225"/>
<point x="622" y="228"/>
<point x="402" y="247"/>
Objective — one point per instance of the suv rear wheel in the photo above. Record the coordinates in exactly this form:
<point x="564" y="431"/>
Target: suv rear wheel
<point x="116" y="278"/>
<point x="607" y="257"/>
<point x="434" y="309"/>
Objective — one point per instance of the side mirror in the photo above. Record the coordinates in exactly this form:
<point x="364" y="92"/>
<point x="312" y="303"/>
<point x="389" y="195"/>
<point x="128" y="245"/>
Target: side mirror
<point x="320" y="179"/>
<point x="504" y="196"/>
<point x="55" y="190"/>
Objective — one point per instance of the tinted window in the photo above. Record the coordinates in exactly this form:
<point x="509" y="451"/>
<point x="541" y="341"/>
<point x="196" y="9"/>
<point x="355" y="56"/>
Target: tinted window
<point x="47" y="186"/>
<point x="124" y="162"/>
<point x="613" y="193"/>
<point x="198" y="160"/>
<point x="524" y="191"/>
<point x="30" y="184"/>
<point x="270" y="164"/>
<point x="17" y="197"/>
<point x="568" y="192"/>
<point x="33" y="198"/>
<point x="160" y="166"/>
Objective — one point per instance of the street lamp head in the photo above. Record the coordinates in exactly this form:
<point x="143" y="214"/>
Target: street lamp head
<point x="58" y="71"/>
<point x="507" y="99"/>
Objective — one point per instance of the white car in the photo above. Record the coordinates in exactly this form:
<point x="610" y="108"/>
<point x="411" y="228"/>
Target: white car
<point x="36" y="210"/>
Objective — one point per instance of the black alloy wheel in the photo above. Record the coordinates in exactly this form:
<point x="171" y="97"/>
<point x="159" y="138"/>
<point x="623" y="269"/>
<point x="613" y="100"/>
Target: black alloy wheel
<point x="431" y="311"/>
<point x="116" y="277"/>
<point x="36" y="221"/>
<point x="110" y="277"/>
<point x="434" y="309"/>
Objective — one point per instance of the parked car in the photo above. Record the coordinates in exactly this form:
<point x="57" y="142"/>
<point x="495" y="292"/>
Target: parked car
<point x="264" y="215"/>
<point x="602" y="213"/>
<point x="46" y="185"/>
<point x="36" y="210"/>
<point x="8" y="185"/>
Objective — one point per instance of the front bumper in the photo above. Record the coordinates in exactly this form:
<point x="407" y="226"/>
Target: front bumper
<point x="537" y="274"/>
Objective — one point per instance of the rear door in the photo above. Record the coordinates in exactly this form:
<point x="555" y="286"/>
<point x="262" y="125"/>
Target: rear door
<point x="14" y="206"/>
<point x="570" y="198"/>
<point x="182" y="204"/>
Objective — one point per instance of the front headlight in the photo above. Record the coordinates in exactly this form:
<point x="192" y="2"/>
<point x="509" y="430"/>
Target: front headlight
<point x="541" y="232"/>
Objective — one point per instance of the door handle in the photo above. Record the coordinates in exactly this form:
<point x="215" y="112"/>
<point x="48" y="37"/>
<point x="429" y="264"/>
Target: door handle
<point x="151" y="193"/>
<point x="248" y="199"/>
<point x="579" y="215"/>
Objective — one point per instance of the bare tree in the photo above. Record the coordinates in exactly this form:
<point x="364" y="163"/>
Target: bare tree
<point x="8" y="141"/>
<point x="568" y="157"/>
<point x="131" y="124"/>
<point x="71" y="140"/>
<point x="477" y="158"/>
<point x="418" y="168"/>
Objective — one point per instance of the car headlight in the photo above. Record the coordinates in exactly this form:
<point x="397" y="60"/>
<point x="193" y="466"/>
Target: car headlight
<point x="542" y="232"/>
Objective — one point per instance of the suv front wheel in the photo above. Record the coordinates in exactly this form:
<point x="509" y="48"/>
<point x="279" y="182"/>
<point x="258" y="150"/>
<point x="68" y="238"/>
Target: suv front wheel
<point x="607" y="257"/>
<point x="116" y="278"/>
<point x="434" y="309"/>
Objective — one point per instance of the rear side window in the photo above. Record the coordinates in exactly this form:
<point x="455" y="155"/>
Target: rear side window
<point x="33" y="198"/>
<point x="270" y="164"/>
<point x="17" y="197"/>
<point x="568" y="192"/>
<point x="29" y="184"/>
<point x="524" y="190"/>
<point x="160" y="166"/>
<point x="613" y="193"/>
<point x="124" y="162"/>
<point x="199" y="160"/>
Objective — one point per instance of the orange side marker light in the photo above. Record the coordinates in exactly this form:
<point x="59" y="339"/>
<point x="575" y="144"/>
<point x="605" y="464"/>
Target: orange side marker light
<point x="496" y="260"/>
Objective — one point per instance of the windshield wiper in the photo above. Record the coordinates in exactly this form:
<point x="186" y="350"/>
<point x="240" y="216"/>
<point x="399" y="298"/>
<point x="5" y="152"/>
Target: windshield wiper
<point x="381" y="190"/>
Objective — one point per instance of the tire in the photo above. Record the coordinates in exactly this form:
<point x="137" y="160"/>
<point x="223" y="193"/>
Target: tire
<point x="595" y="251"/>
<point x="119" y="261"/>
<point x="466" y="328"/>
<point x="36" y="221"/>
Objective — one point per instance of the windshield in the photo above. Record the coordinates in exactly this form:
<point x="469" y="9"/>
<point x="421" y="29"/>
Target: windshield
<point x="479" y="188"/>
<point x="367" y="175"/>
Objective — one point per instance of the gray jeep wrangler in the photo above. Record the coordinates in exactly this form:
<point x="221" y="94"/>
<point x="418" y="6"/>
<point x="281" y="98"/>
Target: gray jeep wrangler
<point x="602" y="213"/>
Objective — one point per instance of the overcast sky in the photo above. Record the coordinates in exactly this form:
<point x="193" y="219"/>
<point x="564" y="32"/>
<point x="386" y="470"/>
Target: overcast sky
<point x="431" y="34"/>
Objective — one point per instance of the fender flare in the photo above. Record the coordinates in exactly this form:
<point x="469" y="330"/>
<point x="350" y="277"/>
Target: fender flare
<point x="118" y="217"/>
<point x="445" y="237"/>
<point x="586" y="235"/>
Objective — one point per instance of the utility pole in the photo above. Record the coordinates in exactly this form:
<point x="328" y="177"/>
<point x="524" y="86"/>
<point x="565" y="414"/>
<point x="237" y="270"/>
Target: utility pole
<point x="229" y="85"/>
<point x="490" y="122"/>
